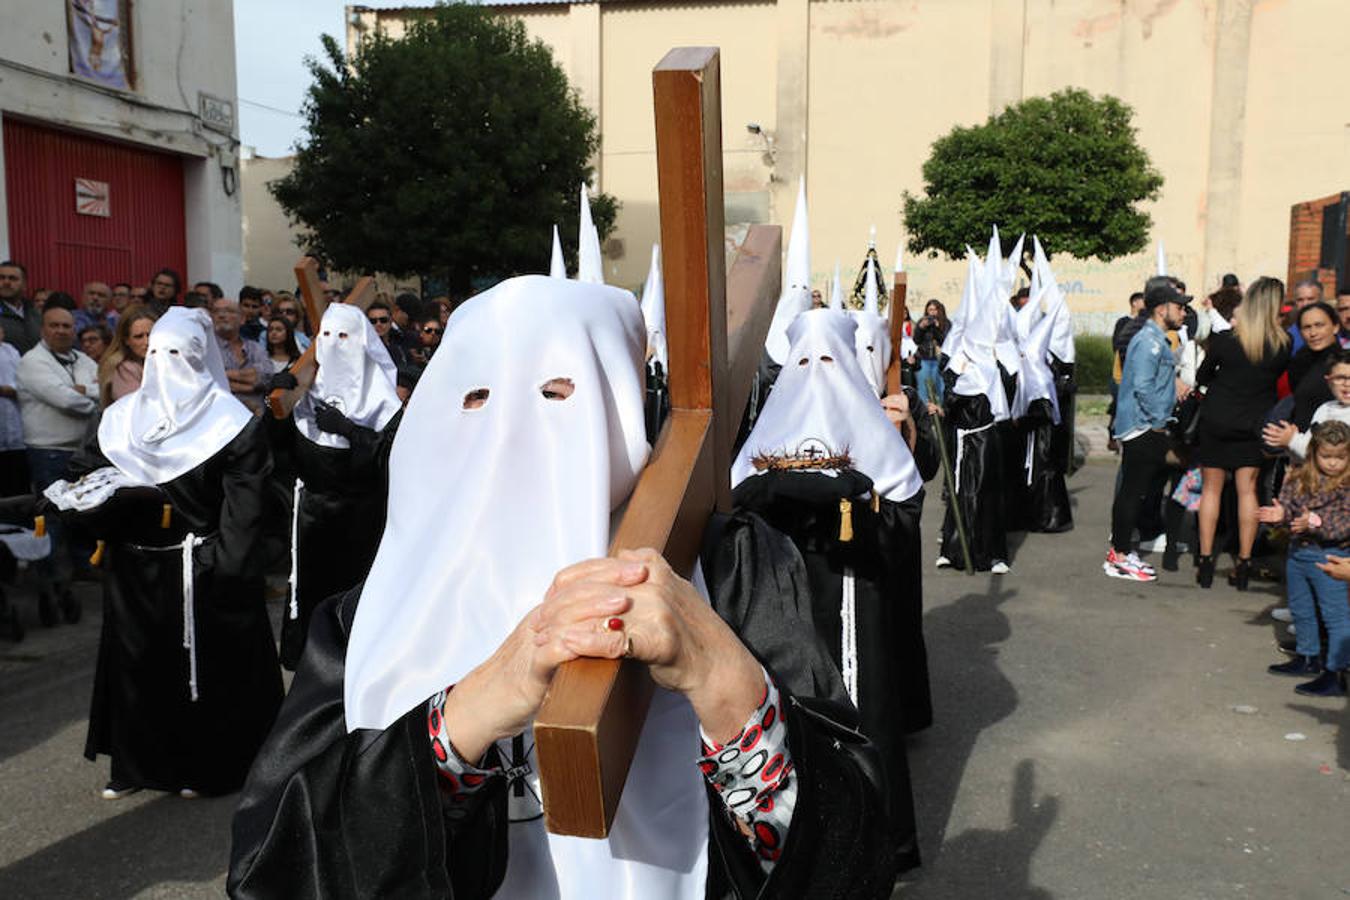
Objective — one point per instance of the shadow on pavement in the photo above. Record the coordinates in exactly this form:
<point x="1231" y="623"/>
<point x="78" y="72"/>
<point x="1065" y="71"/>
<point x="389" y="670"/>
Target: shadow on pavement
<point x="985" y="862"/>
<point x="1332" y="716"/>
<point x="165" y="840"/>
<point x="971" y="694"/>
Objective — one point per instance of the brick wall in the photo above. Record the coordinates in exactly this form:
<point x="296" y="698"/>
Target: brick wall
<point x="1305" y="243"/>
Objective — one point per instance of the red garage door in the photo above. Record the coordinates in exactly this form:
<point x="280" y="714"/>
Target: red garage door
<point x="85" y="209"/>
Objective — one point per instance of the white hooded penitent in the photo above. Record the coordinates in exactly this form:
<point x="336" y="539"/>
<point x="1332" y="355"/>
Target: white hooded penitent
<point x="973" y="354"/>
<point x="356" y="376"/>
<point x="183" y="413"/>
<point x="557" y="267"/>
<point x="872" y="339"/>
<point x="823" y="404"/>
<point x="538" y="476"/>
<point x="836" y="290"/>
<point x="796" y="295"/>
<point x="590" y="266"/>
<point x="654" y="311"/>
<point x="1162" y="259"/>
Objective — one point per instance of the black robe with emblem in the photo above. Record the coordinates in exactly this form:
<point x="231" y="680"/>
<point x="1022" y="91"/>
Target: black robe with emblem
<point x="1045" y="494"/>
<point x="332" y="814"/>
<point x="338" y="524"/>
<point x="142" y="713"/>
<point x="867" y="602"/>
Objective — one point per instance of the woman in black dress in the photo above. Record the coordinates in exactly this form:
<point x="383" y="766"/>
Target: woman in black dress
<point x="1240" y="370"/>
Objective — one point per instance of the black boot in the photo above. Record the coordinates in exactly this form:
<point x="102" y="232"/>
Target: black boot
<point x="1299" y="667"/>
<point x="1171" y="558"/>
<point x="1328" y="684"/>
<point x="1242" y="573"/>
<point x="1204" y="571"/>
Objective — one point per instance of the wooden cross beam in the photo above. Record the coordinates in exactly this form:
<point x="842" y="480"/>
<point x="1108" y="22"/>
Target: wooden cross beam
<point x="588" y="727"/>
<point x="896" y="316"/>
<point x="282" y="401"/>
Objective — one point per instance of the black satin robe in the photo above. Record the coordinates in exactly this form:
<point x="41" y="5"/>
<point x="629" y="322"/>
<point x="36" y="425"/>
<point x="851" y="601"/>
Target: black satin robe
<point x="1062" y="435"/>
<point x="339" y="523"/>
<point x="332" y="814"/>
<point x="883" y="554"/>
<point x="142" y="713"/>
<point x="978" y="467"/>
<point x="1045" y="494"/>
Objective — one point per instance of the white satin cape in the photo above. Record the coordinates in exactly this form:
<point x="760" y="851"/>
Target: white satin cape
<point x="356" y="376"/>
<point x="821" y="397"/>
<point x="528" y="487"/>
<point x="183" y="413"/>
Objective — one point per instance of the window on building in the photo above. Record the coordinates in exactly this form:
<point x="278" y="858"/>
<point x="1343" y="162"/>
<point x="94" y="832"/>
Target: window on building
<point x="99" y="34"/>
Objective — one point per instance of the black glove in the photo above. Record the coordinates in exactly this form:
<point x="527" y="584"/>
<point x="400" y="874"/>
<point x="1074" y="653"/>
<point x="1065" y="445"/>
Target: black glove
<point x="330" y="420"/>
<point x="284" y="381"/>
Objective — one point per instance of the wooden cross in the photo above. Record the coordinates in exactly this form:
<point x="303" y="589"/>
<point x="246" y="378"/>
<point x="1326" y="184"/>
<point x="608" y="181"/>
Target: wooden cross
<point x="896" y="315"/>
<point x="587" y="729"/>
<point x="282" y="401"/>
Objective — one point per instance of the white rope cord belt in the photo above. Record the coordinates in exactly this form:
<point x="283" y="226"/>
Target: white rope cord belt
<point x="848" y="635"/>
<point x="294" y="580"/>
<point x="1031" y="444"/>
<point x="961" y="448"/>
<point x="190" y="543"/>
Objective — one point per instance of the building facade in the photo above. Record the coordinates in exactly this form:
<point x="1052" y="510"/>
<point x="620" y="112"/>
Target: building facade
<point x="1238" y="102"/>
<point x="119" y="141"/>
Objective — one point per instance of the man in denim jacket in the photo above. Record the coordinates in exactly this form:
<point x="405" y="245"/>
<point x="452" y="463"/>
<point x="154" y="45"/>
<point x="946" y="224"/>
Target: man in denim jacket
<point x="1148" y="394"/>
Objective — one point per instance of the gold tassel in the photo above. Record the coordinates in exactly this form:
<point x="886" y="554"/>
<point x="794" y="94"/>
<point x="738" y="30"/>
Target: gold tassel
<point x="876" y="502"/>
<point x="96" y="559"/>
<point x="845" y="521"/>
<point x="166" y="517"/>
<point x="39" y="526"/>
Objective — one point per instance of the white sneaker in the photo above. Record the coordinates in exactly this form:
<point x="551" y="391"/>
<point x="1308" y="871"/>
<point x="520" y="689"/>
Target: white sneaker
<point x="1157" y="545"/>
<point x="188" y="794"/>
<point x="1282" y="614"/>
<point x="999" y="568"/>
<point x="1134" y="560"/>
<point x="943" y="562"/>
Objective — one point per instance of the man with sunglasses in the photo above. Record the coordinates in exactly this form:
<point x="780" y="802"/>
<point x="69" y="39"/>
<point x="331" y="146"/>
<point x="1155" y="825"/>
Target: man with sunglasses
<point x="428" y="329"/>
<point x="382" y="319"/>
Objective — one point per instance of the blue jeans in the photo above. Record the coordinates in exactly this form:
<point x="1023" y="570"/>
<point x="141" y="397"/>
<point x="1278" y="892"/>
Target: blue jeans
<point x="1312" y="591"/>
<point x="930" y="373"/>
<point x="44" y="467"/>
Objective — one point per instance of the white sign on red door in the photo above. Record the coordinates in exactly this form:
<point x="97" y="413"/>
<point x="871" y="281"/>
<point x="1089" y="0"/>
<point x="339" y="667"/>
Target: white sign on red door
<point x="91" y="198"/>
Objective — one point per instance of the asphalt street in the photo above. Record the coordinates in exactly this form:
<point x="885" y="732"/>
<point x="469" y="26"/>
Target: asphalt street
<point x="1094" y="739"/>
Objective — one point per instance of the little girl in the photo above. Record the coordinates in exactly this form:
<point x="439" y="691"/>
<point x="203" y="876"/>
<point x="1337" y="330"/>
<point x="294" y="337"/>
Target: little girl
<point x="1315" y="500"/>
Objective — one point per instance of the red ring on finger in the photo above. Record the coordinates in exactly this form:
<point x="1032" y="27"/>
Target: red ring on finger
<point x="614" y="624"/>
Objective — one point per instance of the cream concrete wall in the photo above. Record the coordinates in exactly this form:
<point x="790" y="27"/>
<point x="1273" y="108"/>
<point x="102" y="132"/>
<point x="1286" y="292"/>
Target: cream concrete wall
<point x="180" y="47"/>
<point x="1240" y="104"/>
<point x="270" y="251"/>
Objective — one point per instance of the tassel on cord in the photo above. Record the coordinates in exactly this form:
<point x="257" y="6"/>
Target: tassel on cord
<point x="845" y="521"/>
<point x="294" y="580"/>
<point x="166" y="517"/>
<point x="96" y="558"/>
<point x="876" y="502"/>
<point x="39" y="526"/>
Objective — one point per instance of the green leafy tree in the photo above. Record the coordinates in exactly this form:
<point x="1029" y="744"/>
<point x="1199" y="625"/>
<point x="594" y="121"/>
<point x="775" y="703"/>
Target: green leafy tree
<point x="448" y="154"/>
<point x="1065" y="167"/>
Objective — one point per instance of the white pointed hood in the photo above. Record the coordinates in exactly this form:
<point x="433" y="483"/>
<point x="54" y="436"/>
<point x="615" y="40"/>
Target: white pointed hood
<point x="464" y="559"/>
<point x="1056" y="306"/>
<point x="837" y="290"/>
<point x="1162" y="259"/>
<point x="973" y="356"/>
<point x="952" y="342"/>
<point x="356" y="376"/>
<point x="1001" y="275"/>
<point x="557" y="266"/>
<point x="872" y="339"/>
<point x="899" y="257"/>
<point x="822" y="397"/>
<point x="1036" y="381"/>
<point x="796" y="295"/>
<point x="590" y="266"/>
<point x="183" y="413"/>
<point x="654" y="311"/>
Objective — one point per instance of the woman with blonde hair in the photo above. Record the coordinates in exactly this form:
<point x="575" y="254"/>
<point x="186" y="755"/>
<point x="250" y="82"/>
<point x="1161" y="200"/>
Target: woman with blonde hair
<point x="1240" y="370"/>
<point x="119" y="370"/>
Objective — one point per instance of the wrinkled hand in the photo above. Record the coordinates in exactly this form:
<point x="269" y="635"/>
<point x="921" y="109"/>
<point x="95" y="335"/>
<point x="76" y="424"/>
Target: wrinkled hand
<point x="330" y="420"/>
<point x="500" y="697"/>
<point x="1279" y="434"/>
<point x="897" y="408"/>
<point x="1271" y="515"/>
<point x="1337" y="567"/>
<point x="285" y="381"/>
